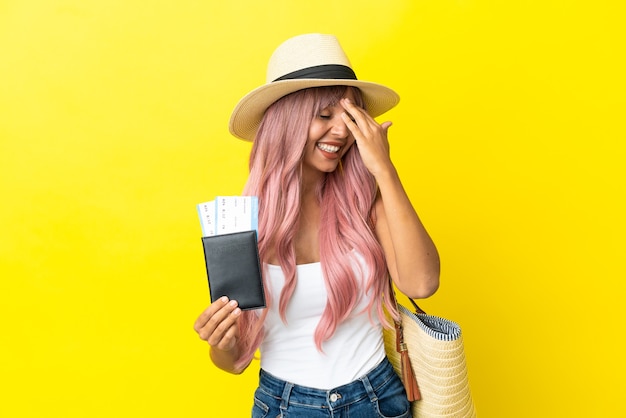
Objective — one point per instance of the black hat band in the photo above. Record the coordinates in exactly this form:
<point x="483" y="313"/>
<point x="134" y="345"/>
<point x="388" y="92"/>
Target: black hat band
<point x="328" y="71"/>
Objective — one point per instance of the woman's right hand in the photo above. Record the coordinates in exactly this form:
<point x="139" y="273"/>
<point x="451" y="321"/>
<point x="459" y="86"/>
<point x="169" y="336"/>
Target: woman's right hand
<point x="218" y="324"/>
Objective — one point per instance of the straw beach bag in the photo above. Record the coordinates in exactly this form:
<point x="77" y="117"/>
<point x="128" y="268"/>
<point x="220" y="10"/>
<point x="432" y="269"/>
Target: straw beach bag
<point x="433" y="368"/>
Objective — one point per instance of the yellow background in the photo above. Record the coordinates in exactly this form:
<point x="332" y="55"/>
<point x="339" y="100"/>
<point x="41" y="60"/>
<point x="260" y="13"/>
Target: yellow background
<point x="113" y="125"/>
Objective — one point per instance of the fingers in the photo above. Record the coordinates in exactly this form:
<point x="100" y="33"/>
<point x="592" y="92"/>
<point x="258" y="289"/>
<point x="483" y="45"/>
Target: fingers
<point x="355" y="118"/>
<point x="352" y="126"/>
<point x="358" y="113"/>
<point x="386" y="125"/>
<point x="360" y="123"/>
<point x="228" y="341"/>
<point x="371" y="138"/>
<point x="218" y="323"/>
<point x="208" y="313"/>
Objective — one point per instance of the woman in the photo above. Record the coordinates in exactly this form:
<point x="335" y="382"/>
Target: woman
<point x="334" y="224"/>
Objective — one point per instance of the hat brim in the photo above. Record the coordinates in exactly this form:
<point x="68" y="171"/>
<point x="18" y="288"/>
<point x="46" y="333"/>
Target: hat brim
<point x="248" y="113"/>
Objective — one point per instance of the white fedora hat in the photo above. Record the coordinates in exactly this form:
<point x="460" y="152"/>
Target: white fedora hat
<point x="311" y="60"/>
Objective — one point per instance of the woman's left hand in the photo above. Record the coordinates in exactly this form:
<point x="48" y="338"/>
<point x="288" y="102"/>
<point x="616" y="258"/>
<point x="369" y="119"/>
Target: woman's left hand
<point x="370" y="136"/>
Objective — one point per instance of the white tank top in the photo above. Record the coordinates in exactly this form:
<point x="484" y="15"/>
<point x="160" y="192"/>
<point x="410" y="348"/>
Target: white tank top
<point x="288" y="351"/>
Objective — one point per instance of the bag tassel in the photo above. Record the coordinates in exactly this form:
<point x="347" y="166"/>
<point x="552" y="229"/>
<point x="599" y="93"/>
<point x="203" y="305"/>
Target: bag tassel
<point x="408" y="377"/>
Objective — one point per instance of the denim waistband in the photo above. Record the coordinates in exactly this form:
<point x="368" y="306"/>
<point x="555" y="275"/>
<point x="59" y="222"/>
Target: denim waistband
<point x="363" y="387"/>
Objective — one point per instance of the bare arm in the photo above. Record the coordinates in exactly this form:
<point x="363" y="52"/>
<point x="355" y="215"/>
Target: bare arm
<point x="412" y="258"/>
<point x="218" y="325"/>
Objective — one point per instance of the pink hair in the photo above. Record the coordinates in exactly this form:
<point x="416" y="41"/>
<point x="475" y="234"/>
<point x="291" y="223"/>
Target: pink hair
<point x="347" y="218"/>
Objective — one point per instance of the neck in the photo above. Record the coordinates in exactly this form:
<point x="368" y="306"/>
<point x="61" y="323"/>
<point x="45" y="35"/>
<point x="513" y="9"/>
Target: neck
<point x="311" y="184"/>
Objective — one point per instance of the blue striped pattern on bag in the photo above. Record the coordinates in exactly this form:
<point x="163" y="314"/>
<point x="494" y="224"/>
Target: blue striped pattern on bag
<point x="438" y="328"/>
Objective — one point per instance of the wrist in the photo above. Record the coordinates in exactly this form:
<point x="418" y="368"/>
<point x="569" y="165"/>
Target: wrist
<point x="386" y="174"/>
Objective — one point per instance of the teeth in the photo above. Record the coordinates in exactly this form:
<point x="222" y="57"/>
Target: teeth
<point x="328" y="148"/>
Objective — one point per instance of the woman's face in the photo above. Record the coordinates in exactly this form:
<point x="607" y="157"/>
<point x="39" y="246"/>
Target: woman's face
<point x="329" y="139"/>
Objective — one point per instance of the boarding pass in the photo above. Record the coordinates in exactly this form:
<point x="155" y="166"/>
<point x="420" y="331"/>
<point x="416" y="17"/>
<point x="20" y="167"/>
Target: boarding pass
<point x="228" y="214"/>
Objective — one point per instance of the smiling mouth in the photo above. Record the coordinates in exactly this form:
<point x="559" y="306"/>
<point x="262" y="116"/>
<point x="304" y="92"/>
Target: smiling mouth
<point x="328" y="148"/>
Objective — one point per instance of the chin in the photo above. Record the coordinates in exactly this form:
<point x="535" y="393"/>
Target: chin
<point x="330" y="169"/>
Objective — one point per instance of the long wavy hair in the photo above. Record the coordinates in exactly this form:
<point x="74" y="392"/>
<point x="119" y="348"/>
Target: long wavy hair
<point x="347" y="221"/>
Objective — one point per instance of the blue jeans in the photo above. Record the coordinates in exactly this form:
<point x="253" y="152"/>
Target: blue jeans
<point x="379" y="393"/>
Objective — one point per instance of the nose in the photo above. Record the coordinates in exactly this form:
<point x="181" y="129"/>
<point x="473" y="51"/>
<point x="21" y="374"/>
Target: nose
<point x="339" y="127"/>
